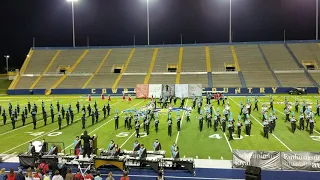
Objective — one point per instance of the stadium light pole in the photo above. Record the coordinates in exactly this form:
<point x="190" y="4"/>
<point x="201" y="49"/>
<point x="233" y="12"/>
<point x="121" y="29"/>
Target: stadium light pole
<point x="7" y="62"/>
<point x="148" y="23"/>
<point x="230" y="22"/>
<point x="73" y="31"/>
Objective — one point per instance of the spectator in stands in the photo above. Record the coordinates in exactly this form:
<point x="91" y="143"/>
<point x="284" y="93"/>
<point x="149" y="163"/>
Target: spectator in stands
<point x="46" y="176"/>
<point x="57" y="176"/>
<point x="98" y="176"/>
<point x="88" y="175"/>
<point x="69" y="175"/>
<point x="43" y="167"/>
<point x="110" y="176"/>
<point x="78" y="175"/>
<point x="20" y="176"/>
<point x="125" y="176"/>
<point x="37" y="175"/>
<point x="29" y="174"/>
<point x="11" y="175"/>
<point x="3" y="175"/>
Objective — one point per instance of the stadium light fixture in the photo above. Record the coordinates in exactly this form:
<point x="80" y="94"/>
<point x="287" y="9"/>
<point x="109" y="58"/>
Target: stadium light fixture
<point x="7" y="62"/>
<point x="73" y="31"/>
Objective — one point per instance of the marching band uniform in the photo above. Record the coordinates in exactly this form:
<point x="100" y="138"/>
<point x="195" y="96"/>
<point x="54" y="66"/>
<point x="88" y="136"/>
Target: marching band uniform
<point x="111" y="146"/>
<point x="248" y="126"/>
<point x="156" y="124"/>
<point x="231" y="129"/>
<point x="239" y="125"/>
<point x="318" y="108"/>
<point x="301" y="121"/>
<point x="34" y="118"/>
<point x="68" y="117"/>
<point x="104" y="110"/>
<point x="137" y="126"/>
<point x="311" y="121"/>
<point x="178" y="122"/>
<point x="169" y="127"/>
<point x="58" y="106"/>
<point x="271" y="125"/>
<point x="116" y="121"/>
<point x="136" y="146"/>
<point x="293" y="124"/>
<point x="200" y="118"/>
<point x="78" y="106"/>
<point x="52" y="113"/>
<point x="59" y="121"/>
<point x="223" y="124"/>
<point x="23" y="118"/>
<point x="83" y="119"/>
<point x="271" y="103"/>
<point x="287" y="113"/>
<point x="256" y="104"/>
<point x="92" y="117"/>
<point x="209" y="121"/>
<point x="156" y="146"/>
<point x="296" y="106"/>
<point x="44" y="115"/>
<point x="147" y="123"/>
<point x="4" y="115"/>
<point x="62" y="112"/>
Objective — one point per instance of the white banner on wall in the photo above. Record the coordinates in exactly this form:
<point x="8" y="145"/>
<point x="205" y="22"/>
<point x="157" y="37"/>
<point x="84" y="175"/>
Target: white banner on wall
<point x="155" y="90"/>
<point x="195" y="90"/>
<point x="181" y="90"/>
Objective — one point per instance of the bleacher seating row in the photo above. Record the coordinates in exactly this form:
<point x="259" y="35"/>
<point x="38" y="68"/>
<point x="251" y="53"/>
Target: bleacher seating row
<point x="96" y="68"/>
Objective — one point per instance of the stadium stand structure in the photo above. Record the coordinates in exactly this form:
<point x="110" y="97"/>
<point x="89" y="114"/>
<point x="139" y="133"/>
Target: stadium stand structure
<point x="213" y="65"/>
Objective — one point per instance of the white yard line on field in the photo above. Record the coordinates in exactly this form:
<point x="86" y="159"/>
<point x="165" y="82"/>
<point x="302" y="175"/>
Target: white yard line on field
<point x="184" y="112"/>
<point x="262" y="126"/>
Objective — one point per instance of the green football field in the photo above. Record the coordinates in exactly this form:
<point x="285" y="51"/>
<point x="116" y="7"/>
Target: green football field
<point x="191" y="142"/>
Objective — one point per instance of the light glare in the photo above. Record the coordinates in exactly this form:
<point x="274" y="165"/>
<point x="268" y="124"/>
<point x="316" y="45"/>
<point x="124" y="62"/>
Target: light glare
<point x="72" y="0"/>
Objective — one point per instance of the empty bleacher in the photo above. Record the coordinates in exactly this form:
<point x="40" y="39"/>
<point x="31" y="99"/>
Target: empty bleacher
<point x="162" y="79"/>
<point x="194" y="59"/>
<point x="259" y="79"/>
<point x="102" y="81"/>
<point x="25" y="82"/>
<point x="73" y="82"/>
<point x="278" y="57"/>
<point x="117" y="56"/>
<point x="129" y="81"/>
<point x="226" y="80"/>
<point x="294" y="79"/>
<point x="39" y="61"/>
<point x="219" y="55"/>
<point x="254" y="67"/>
<point x="315" y="75"/>
<point x="167" y="55"/>
<point x="91" y="61"/>
<point x="302" y="51"/>
<point x="140" y="60"/>
<point x="315" y="50"/>
<point x="65" y="58"/>
<point x="194" y="79"/>
<point x="46" y="82"/>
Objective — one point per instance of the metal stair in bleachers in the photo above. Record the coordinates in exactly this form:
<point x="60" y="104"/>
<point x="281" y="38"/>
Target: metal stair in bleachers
<point x="301" y="66"/>
<point x="140" y="60"/>
<point x="253" y="67"/>
<point x="315" y="75"/>
<point x="269" y="67"/>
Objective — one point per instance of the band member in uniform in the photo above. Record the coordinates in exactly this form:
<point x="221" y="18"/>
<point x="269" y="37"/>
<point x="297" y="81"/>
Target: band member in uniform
<point x="293" y="123"/>
<point x="86" y="143"/>
<point x="89" y="109"/>
<point x="301" y="121"/>
<point x="215" y="123"/>
<point x="44" y="115"/>
<point x="77" y="145"/>
<point x="4" y="115"/>
<point x="271" y="124"/>
<point x="52" y="113"/>
<point x="311" y="121"/>
<point x="58" y="106"/>
<point x="13" y="121"/>
<point x="318" y="108"/>
<point x="142" y="154"/>
<point x="256" y="104"/>
<point x="265" y="129"/>
<point x="137" y="126"/>
<point x="92" y="116"/>
<point x="178" y="122"/>
<point x="34" y="118"/>
<point x="156" y="145"/>
<point x="287" y="113"/>
<point x="296" y="106"/>
<point x="223" y="124"/>
<point x="231" y="129"/>
<point x="23" y="118"/>
<point x="31" y="149"/>
<point x="104" y="110"/>
<point x="83" y="120"/>
<point x="78" y="106"/>
<point x="209" y="120"/>
<point x="200" y="118"/>
<point x="68" y="117"/>
<point x="147" y="123"/>
<point x="156" y="124"/>
<point x="116" y="121"/>
<point x="176" y="154"/>
<point x="108" y="109"/>
<point x="59" y="120"/>
<point x="126" y="120"/>
<point x="169" y="127"/>
<point x="247" y="122"/>
<point x="271" y="103"/>
<point x="29" y="106"/>
<point x="136" y="146"/>
<point x="53" y="150"/>
<point x="239" y="125"/>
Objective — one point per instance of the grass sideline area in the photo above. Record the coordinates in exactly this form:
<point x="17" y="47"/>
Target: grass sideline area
<point x="192" y="143"/>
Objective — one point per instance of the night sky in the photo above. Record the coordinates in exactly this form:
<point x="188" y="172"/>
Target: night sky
<point x="116" y="22"/>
